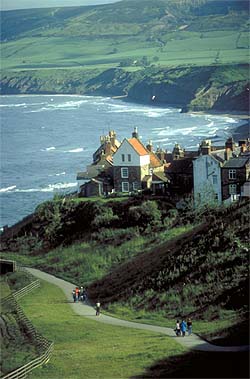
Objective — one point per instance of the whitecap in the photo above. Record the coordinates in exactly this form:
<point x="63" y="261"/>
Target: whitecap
<point x="210" y="124"/>
<point x="49" y="188"/>
<point x="212" y="132"/>
<point x="160" y="140"/>
<point x="77" y="150"/>
<point x="187" y="131"/>
<point x="58" y="174"/>
<point x="7" y="189"/>
<point x="50" y="148"/>
<point x="153" y="114"/>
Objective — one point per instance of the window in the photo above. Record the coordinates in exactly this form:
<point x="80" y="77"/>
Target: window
<point x="232" y="174"/>
<point x="124" y="172"/>
<point x="150" y="171"/>
<point x="123" y="157"/>
<point x="215" y="179"/>
<point x="135" y="186"/>
<point x="125" y="186"/>
<point x="232" y="189"/>
<point x="129" y="157"/>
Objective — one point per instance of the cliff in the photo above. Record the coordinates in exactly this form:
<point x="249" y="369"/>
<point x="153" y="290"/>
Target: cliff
<point x="217" y="88"/>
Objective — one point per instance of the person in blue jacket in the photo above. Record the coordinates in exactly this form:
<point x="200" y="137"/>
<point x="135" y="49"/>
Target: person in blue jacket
<point x="183" y="328"/>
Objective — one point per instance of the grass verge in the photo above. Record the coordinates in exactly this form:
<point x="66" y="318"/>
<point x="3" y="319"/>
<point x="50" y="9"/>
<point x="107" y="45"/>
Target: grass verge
<point x="85" y="348"/>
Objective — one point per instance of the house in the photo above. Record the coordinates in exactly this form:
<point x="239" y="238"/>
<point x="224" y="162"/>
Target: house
<point x="123" y="167"/>
<point x="220" y="173"/>
<point x="136" y="167"/>
<point x="97" y="180"/>
<point x="207" y="175"/>
<point x="235" y="175"/>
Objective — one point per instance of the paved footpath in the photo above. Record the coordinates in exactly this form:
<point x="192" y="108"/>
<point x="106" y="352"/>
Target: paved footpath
<point x="193" y="342"/>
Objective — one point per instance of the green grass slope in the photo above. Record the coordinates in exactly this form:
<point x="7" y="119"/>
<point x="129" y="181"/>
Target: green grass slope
<point x="142" y="254"/>
<point x="17" y="346"/>
<point x="199" y="272"/>
<point x="84" y="348"/>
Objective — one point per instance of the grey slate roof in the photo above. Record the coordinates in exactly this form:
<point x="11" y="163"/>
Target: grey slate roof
<point x="236" y="163"/>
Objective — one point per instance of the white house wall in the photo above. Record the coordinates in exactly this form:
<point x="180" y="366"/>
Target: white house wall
<point x="205" y="168"/>
<point x="126" y="149"/>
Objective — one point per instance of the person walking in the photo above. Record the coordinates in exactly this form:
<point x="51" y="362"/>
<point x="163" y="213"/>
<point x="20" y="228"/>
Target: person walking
<point x="74" y="295"/>
<point x="183" y="328"/>
<point x="189" y="326"/>
<point x="98" y="308"/>
<point x="81" y="293"/>
<point x="177" y="328"/>
<point x="85" y="296"/>
<point x="77" y="293"/>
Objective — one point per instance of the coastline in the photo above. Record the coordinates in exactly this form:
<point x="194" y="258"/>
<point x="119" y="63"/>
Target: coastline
<point x="238" y="132"/>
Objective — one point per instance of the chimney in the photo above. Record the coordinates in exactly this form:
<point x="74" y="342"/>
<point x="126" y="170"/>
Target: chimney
<point x="178" y="152"/>
<point x="243" y="145"/>
<point x="227" y="154"/>
<point x="108" y="148"/>
<point x="149" y="146"/>
<point x="230" y="144"/>
<point x="205" y="147"/>
<point x="135" y="133"/>
<point x="112" y="135"/>
<point x="102" y="139"/>
<point x="161" y="154"/>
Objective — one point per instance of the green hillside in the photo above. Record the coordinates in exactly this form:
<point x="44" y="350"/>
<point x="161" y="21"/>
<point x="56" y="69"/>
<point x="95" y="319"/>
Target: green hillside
<point x="128" y="38"/>
<point x="142" y="253"/>
<point x="17" y="345"/>
<point x="146" y="262"/>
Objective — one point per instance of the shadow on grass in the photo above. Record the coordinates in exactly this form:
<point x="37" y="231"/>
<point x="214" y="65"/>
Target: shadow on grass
<point x="200" y="365"/>
<point x="236" y="335"/>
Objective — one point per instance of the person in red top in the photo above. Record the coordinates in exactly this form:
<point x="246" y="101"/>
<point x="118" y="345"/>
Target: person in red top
<point x="77" y="293"/>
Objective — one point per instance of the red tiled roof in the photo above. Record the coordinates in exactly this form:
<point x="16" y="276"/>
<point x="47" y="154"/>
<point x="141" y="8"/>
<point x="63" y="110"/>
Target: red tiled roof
<point x="154" y="160"/>
<point x="138" y="146"/>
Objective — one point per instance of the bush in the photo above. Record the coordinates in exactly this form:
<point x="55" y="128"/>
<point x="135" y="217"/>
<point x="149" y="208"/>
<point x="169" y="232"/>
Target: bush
<point x="144" y="215"/>
<point x="104" y="219"/>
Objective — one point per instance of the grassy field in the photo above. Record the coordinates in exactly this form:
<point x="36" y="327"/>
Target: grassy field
<point x="84" y="348"/>
<point x="184" y="47"/>
<point x="207" y="329"/>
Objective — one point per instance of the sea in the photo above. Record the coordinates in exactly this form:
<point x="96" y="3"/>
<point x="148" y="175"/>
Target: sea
<point x="47" y="139"/>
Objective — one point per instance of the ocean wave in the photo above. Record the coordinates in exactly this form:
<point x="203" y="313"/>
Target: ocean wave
<point x="77" y="150"/>
<point x="49" y="148"/>
<point x="24" y="105"/>
<point x="187" y="131"/>
<point x="49" y="188"/>
<point x="146" y="111"/>
<point x="212" y="132"/>
<point x="58" y="174"/>
<point x="7" y="189"/>
<point x="12" y="105"/>
<point x="210" y="124"/>
<point x="160" y="140"/>
<point x="68" y="105"/>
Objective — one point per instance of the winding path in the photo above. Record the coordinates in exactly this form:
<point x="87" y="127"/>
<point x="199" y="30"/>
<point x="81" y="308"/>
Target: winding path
<point x="193" y="342"/>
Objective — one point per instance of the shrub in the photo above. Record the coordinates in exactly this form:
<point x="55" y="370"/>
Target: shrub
<point x="144" y="215"/>
<point x="104" y="219"/>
